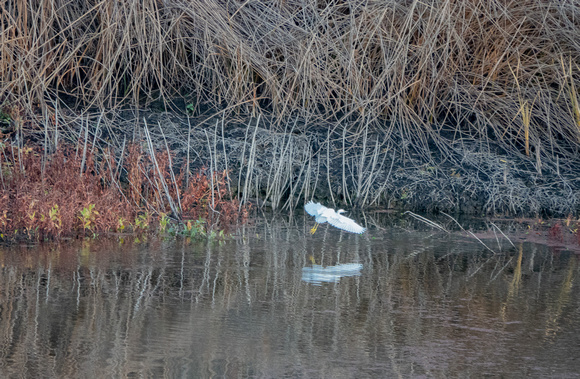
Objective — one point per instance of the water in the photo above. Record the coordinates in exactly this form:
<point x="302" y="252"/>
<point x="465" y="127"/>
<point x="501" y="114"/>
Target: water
<point x="399" y="302"/>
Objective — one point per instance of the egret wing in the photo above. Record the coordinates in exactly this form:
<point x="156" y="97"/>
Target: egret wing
<point x="345" y="223"/>
<point x="314" y="209"/>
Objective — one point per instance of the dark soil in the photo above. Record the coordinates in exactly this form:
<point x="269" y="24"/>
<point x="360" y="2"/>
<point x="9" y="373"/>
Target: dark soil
<point x="282" y="164"/>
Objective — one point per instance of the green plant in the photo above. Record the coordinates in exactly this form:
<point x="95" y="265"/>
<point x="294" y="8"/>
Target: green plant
<point x="142" y="221"/>
<point x="87" y="217"/>
<point x="198" y="230"/>
<point x="163" y="223"/>
<point x="120" y="224"/>
<point x="54" y="215"/>
<point x="195" y="229"/>
<point x="4" y="219"/>
<point x="5" y="118"/>
<point x="31" y="232"/>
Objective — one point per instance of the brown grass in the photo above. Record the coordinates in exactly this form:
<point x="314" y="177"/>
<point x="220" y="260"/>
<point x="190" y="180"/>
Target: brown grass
<point x="473" y="63"/>
<point x="398" y="79"/>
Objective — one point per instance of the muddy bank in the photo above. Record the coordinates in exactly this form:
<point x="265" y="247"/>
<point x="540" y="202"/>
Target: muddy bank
<point x="497" y="235"/>
<point x="280" y="164"/>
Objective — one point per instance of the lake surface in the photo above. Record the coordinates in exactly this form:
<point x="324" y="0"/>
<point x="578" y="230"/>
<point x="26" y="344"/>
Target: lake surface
<point x="402" y="300"/>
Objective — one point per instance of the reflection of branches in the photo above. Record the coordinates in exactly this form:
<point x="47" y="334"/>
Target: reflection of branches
<point x="212" y="301"/>
<point x="440" y="227"/>
<point x="514" y="284"/>
<point x="554" y="313"/>
<point x="427" y="221"/>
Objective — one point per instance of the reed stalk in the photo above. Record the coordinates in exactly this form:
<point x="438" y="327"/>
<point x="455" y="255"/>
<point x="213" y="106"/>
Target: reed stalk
<point x="415" y="62"/>
<point x="160" y="177"/>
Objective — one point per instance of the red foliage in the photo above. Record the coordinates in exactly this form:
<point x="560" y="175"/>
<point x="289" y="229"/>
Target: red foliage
<point x="43" y="198"/>
<point x="62" y="195"/>
<point x="197" y="200"/>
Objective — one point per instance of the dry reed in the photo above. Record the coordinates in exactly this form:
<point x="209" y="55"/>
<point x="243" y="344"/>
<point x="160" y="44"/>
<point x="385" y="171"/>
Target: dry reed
<point x="434" y="73"/>
<point x="470" y="63"/>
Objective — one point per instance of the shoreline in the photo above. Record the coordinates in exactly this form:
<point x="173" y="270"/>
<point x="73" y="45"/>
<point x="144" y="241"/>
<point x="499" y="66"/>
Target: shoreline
<point x="284" y="164"/>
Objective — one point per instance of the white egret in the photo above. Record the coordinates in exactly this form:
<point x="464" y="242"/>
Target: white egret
<point x="322" y="214"/>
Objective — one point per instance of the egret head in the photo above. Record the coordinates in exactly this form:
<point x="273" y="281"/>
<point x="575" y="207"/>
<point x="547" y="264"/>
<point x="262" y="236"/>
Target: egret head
<point x="340" y="211"/>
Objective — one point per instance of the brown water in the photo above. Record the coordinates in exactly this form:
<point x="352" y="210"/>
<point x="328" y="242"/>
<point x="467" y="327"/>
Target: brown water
<point x="422" y="304"/>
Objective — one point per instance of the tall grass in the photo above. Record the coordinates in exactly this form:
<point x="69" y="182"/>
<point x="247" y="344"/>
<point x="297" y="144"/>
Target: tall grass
<point x="470" y="63"/>
<point x="395" y="78"/>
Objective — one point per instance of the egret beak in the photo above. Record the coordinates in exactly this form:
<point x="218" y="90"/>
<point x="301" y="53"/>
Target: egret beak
<point x="314" y="228"/>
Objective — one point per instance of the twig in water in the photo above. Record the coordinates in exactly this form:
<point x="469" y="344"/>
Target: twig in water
<point x="510" y="241"/>
<point x="467" y="231"/>
<point x="427" y="221"/>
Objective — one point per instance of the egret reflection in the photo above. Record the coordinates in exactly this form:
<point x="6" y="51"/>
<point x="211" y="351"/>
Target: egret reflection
<point x="317" y="274"/>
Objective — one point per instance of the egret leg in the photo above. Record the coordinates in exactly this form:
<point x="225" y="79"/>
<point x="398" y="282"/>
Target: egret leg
<point x="313" y="230"/>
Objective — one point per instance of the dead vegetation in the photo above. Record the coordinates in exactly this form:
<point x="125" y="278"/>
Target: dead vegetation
<point x="284" y="166"/>
<point x="430" y="104"/>
<point x="76" y="192"/>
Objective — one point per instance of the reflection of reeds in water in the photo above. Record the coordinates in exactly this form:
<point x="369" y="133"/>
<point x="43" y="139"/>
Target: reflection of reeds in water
<point x="110" y="310"/>
<point x="515" y="283"/>
<point x="557" y="308"/>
